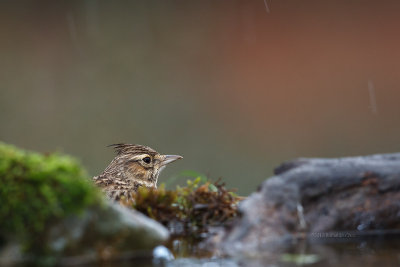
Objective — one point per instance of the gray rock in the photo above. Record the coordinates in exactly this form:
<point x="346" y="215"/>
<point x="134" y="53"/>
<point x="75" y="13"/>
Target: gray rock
<point x="314" y="198"/>
<point x="104" y="232"/>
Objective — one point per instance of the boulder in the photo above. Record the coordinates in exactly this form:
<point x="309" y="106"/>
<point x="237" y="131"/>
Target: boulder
<point x="317" y="198"/>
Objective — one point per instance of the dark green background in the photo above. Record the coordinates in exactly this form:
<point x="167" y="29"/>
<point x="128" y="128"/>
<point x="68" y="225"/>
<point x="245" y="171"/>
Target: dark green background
<point x="233" y="88"/>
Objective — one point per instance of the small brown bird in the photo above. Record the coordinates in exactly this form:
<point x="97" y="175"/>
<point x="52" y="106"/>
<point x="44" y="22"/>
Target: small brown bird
<point x="134" y="166"/>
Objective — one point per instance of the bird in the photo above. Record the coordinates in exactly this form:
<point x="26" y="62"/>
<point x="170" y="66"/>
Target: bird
<point x="133" y="166"/>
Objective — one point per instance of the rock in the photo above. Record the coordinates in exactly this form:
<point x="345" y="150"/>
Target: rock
<point x="51" y="213"/>
<point x="310" y="198"/>
<point x="106" y="233"/>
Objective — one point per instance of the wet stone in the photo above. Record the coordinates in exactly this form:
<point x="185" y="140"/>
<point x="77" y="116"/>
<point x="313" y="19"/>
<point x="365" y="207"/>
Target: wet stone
<point x="316" y="197"/>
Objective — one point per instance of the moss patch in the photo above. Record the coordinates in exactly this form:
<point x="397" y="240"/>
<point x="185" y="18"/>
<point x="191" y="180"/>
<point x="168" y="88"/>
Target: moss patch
<point x="37" y="190"/>
<point x="188" y="210"/>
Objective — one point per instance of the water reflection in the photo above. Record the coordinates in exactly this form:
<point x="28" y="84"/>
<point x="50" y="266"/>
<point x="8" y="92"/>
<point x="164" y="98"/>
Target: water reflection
<point x="373" y="251"/>
<point x="362" y="252"/>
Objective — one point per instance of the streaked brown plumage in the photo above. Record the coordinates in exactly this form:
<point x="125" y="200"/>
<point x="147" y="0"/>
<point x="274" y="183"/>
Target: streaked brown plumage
<point x="134" y="166"/>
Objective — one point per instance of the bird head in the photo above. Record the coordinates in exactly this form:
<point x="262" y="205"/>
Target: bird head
<point x="141" y="164"/>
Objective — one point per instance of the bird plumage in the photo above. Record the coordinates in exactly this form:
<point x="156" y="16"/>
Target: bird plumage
<point x="133" y="166"/>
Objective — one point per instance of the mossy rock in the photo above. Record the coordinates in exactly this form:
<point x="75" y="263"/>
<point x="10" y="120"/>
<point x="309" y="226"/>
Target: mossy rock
<point x="37" y="189"/>
<point x="50" y="209"/>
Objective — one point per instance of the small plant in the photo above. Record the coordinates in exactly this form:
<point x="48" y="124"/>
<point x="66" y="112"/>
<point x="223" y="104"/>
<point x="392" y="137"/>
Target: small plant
<point x="188" y="209"/>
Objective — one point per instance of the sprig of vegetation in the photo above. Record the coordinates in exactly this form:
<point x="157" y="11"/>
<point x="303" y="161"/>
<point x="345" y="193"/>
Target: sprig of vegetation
<point x="191" y="208"/>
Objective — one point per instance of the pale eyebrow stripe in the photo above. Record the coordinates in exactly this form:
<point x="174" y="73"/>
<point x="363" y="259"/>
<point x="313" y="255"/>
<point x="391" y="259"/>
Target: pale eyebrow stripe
<point x="139" y="157"/>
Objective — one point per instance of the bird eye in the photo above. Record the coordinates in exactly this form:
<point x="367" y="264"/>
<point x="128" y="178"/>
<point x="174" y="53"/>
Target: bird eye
<point x="147" y="160"/>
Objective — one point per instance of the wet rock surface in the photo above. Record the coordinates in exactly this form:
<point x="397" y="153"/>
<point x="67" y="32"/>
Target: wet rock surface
<point x="106" y="232"/>
<point x="318" y="198"/>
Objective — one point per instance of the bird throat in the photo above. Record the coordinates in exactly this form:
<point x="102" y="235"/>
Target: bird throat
<point x="143" y="177"/>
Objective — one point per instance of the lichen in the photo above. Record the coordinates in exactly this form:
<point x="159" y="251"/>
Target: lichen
<point x="38" y="189"/>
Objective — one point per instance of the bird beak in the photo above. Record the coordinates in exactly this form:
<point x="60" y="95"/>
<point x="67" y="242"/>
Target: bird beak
<point x="170" y="158"/>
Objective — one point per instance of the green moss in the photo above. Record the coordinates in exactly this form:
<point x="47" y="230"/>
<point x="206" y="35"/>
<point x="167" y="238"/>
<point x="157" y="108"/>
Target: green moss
<point x="36" y="190"/>
<point x="196" y="206"/>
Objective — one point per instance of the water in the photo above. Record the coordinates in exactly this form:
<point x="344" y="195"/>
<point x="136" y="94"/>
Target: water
<point x="356" y="252"/>
<point x="363" y="252"/>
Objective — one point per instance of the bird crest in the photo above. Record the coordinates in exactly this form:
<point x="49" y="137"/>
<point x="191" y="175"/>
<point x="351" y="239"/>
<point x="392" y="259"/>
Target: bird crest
<point x="122" y="148"/>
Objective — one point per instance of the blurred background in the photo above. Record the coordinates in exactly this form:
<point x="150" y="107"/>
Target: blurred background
<point x="236" y="87"/>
